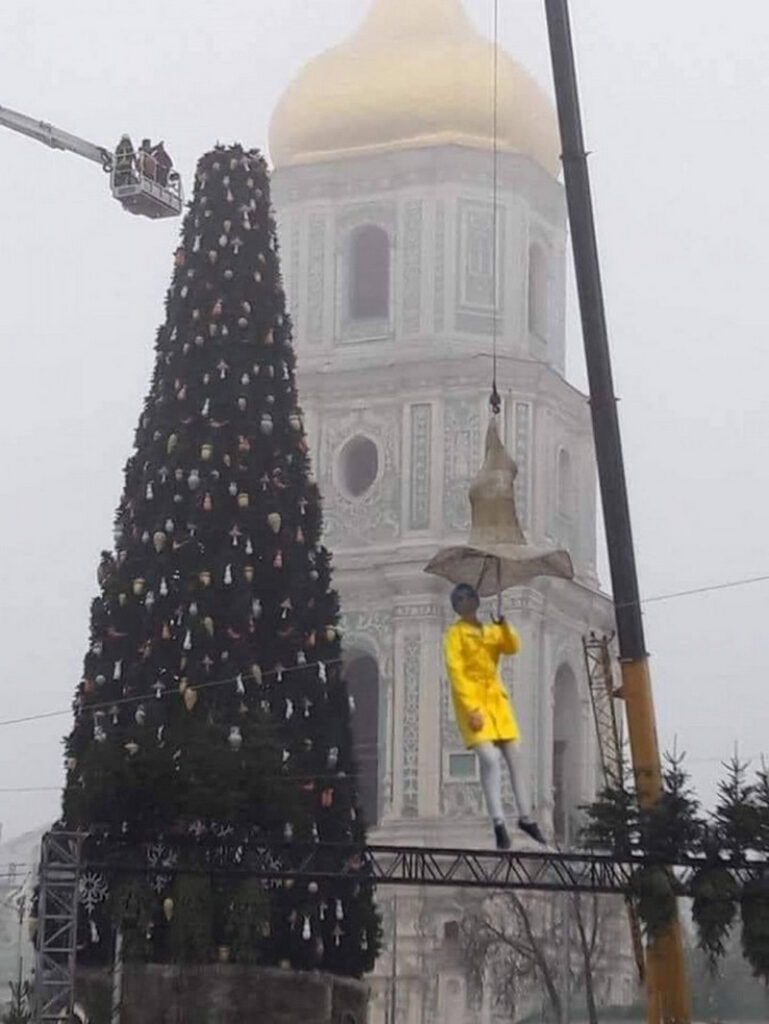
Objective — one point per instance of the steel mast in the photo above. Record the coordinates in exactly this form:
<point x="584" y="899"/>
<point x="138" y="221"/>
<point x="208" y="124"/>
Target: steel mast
<point x="667" y="985"/>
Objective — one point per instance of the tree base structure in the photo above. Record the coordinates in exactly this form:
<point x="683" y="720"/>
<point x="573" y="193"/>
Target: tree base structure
<point x="219" y="993"/>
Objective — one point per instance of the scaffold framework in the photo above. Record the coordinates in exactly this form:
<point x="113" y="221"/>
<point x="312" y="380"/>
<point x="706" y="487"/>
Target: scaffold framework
<point x="60" y="862"/>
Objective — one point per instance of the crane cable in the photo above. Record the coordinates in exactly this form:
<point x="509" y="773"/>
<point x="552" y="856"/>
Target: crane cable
<point x="495" y="400"/>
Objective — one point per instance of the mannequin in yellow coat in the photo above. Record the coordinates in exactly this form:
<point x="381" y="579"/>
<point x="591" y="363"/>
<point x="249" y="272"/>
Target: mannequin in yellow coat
<point x="484" y="712"/>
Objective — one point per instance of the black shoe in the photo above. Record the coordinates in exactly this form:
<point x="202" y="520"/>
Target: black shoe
<point x="531" y="828"/>
<point x="502" y="836"/>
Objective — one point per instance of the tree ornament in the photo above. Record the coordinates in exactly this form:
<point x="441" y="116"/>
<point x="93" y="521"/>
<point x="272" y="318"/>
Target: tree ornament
<point x="208" y="625"/>
<point x="306" y="930"/>
<point x="265" y="424"/>
<point x="193" y="480"/>
<point x="288" y="832"/>
<point x="299" y="535"/>
<point x="168" y="908"/>
<point x="242" y="403"/>
<point x="205" y="578"/>
<point x="173" y="441"/>
<point x="228" y="575"/>
<point x="131" y="748"/>
<point x="339" y="910"/>
<point x="159" y="540"/>
<point x="289" y="709"/>
<point x="213" y="256"/>
<point x="149" y="493"/>
<point x="206" y="454"/>
<point x="187" y="644"/>
<point x="190" y="698"/>
<point x="243" y="500"/>
<point x="333" y="758"/>
<point x="277" y="562"/>
<point x="208" y="502"/>
<point x="138" y="586"/>
<point x="117" y="672"/>
<point x="256" y="672"/>
<point x="244" y="445"/>
<point x="140" y="715"/>
<point x="295" y="421"/>
<point x="274" y="520"/>
<point x="256" y="604"/>
<point x="163" y="587"/>
<point x="235" y="739"/>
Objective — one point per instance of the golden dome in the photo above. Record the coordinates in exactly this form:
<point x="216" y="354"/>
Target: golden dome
<point x="416" y="73"/>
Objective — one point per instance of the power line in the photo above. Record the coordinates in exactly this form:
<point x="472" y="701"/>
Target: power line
<point x="744" y="582"/>
<point x="139" y="698"/>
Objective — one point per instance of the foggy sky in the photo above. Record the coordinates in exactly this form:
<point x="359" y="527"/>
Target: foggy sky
<point x="676" y="103"/>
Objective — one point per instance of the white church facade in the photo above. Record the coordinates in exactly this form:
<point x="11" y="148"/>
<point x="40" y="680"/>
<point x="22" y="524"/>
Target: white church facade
<point x="383" y="187"/>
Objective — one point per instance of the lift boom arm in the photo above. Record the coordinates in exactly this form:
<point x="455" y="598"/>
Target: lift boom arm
<point x="55" y="138"/>
<point x="667" y="985"/>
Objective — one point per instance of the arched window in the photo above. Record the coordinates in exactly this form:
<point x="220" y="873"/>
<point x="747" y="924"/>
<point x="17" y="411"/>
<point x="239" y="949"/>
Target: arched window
<point x="538" y="292"/>
<point x="358" y="465"/>
<point x="567" y="752"/>
<point x="369" y="273"/>
<point x="362" y="676"/>
<point x="564" y="485"/>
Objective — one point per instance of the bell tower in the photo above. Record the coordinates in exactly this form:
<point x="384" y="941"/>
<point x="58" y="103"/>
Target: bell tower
<point x="383" y="192"/>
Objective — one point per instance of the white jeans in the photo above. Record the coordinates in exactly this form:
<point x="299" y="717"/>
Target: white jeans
<point x="491" y="777"/>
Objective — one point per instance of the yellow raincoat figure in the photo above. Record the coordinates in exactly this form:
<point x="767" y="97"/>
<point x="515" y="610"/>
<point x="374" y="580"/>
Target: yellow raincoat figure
<point x="484" y="712"/>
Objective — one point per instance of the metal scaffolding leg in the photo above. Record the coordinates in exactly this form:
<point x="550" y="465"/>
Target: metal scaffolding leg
<point x="603" y="696"/>
<point x="57" y="927"/>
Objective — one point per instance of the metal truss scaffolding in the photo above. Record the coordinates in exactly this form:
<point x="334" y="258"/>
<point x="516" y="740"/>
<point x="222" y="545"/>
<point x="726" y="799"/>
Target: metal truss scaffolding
<point x="603" y="696"/>
<point x="57" y="926"/>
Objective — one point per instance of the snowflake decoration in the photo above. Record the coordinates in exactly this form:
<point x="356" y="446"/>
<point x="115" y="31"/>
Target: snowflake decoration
<point x="93" y="890"/>
<point x="160" y="883"/>
<point x="160" y="856"/>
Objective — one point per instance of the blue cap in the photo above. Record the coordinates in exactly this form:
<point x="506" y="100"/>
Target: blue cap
<point x="462" y="590"/>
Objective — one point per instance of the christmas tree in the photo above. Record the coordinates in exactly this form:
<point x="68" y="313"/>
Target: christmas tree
<point x="212" y="718"/>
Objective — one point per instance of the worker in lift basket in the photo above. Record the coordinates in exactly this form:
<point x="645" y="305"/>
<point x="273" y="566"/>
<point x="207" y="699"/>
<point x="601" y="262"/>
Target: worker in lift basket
<point x="484" y="712"/>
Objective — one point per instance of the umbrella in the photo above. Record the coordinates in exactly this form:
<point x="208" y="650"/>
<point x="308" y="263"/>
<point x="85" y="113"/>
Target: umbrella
<point x="496" y="555"/>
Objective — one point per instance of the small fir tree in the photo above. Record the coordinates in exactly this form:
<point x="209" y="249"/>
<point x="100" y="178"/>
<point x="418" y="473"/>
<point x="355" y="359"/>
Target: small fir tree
<point x="736" y="818"/>
<point x="212" y="718"/>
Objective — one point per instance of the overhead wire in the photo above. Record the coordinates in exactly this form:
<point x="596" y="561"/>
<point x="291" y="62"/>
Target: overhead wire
<point x="107" y="705"/>
<point x="495" y="401"/>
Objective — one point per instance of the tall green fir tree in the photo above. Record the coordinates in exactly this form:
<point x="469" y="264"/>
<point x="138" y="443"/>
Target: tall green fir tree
<point x="212" y="721"/>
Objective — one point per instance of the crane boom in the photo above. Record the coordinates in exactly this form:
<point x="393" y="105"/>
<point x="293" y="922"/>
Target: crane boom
<point x="55" y="138"/>
<point x="143" y="183"/>
<point x="667" y="983"/>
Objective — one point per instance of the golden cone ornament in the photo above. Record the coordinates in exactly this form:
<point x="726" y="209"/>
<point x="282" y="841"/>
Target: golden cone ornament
<point x="496" y="555"/>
